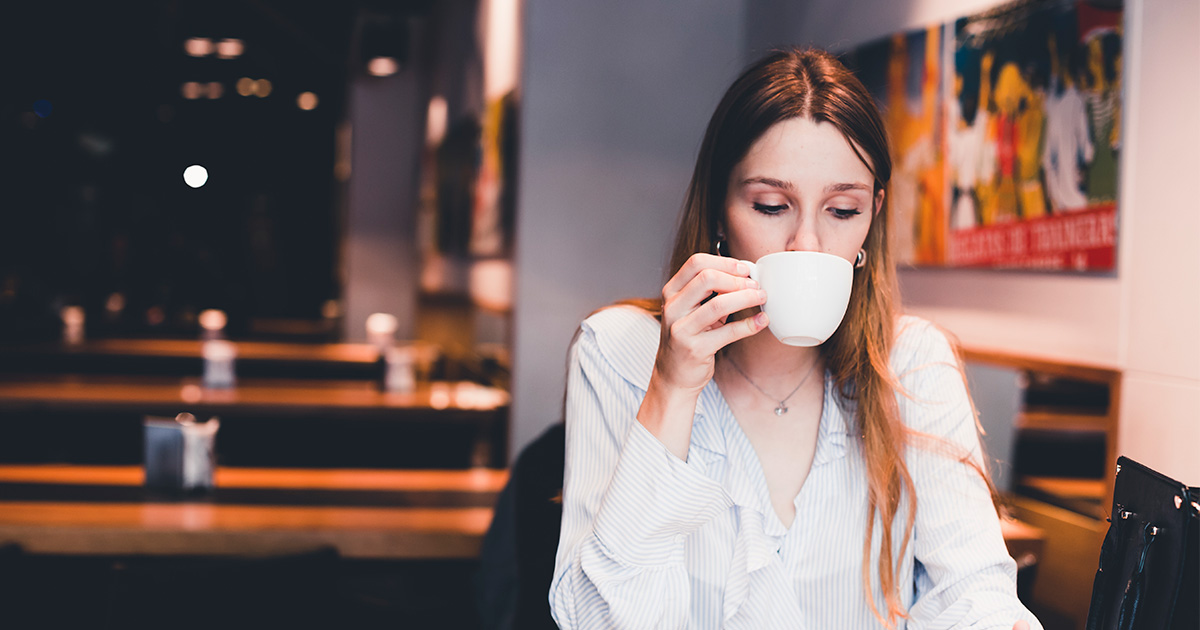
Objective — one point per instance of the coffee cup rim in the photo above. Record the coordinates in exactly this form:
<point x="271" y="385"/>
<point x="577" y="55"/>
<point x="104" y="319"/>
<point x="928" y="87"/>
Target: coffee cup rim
<point x="805" y="254"/>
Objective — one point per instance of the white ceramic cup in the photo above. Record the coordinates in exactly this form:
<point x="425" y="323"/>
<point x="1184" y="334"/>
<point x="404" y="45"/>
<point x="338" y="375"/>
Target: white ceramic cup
<point x="807" y="294"/>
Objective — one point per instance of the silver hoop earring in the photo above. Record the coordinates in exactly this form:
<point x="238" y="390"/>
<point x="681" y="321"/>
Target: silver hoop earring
<point x="860" y="261"/>
<point x="717" y="247"/>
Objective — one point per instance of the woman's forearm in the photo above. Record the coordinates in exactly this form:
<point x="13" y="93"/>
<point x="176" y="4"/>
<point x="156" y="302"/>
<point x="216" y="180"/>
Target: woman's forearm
<point x="667" y="414"/>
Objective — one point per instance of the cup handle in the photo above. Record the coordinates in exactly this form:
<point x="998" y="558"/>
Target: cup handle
<point x="753" y="270"/>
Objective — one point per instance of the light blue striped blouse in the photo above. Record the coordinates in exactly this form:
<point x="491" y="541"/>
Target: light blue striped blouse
<point x="651" y="541"/>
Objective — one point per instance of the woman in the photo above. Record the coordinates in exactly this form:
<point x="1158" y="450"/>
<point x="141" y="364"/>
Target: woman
<point x="717" y="478"/>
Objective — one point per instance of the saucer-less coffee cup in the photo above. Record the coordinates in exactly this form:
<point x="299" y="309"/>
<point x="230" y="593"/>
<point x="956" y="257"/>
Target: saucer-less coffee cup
<point x="807" y="294"/>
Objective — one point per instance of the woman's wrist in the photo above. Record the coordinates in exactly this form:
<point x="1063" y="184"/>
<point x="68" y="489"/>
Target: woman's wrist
<point x="667" y="413"/>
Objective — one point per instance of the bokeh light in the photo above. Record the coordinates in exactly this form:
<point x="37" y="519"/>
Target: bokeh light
<point x="262" y="88"/>
<point x="381" y="329"/>
<point x="198" y="46"/>
<point x="115" y="303"/>
<point x="191" y="90"/>
<point x="245" y="86"/>
<point x="437" y="117"/>
<point x="382" y="67"/>
<point x="195" y="176"/>
<point x="307" y="101"/>
<point x="42" y="108"/>
<point x="215" y="89"/>
<point x="213" y="319"/>
<point x="156" y="315"/>
<point x="439" y="396"/>
<point x="229" y="48"/>
<point x="191" y="393"/>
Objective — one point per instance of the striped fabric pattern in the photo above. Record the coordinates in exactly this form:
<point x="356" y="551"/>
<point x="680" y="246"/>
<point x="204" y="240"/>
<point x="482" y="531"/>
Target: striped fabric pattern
<point x="651" y="541"/>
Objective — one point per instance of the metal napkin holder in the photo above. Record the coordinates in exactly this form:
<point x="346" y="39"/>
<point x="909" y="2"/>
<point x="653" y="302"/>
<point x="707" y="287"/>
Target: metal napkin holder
<point x="180" y="453"/>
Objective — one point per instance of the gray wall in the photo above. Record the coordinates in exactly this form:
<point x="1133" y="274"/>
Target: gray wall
<point x="379" y="257"/>
<point x="615" y="97"/>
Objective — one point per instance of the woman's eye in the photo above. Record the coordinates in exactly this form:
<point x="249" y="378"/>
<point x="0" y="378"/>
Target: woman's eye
<point x="769" y="209"/>
<point x="845" y="213"/>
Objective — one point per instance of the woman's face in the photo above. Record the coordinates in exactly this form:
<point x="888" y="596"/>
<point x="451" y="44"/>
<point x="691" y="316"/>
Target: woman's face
<point x="800" y="188"/>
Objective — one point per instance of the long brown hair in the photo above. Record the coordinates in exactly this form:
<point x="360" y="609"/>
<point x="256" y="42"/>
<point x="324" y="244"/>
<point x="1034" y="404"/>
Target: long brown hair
<point x="815" y="85"/>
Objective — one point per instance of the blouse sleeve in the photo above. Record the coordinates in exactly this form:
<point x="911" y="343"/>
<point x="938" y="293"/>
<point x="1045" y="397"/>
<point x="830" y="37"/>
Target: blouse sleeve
<point x="628" y="507"/>
<point x="964" y="575"/>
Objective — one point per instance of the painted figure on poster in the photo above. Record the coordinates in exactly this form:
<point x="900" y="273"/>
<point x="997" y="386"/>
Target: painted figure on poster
<point x="1104" y="102"/>
<point x="1030" y="126"/>
<point x="919" y="180"/>
<point x="971" y="157"/>
<point x="1010" y="89"/>
<point x="1068" y="139"/>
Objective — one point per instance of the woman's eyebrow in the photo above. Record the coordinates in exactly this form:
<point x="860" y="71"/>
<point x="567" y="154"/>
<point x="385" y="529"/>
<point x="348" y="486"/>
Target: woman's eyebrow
<point x="788" y="186"/>
<point x="846" y="186"/>
<point x="770" y="181"/>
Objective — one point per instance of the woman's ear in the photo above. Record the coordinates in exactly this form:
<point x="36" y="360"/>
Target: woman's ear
<point x="878" y="202"/>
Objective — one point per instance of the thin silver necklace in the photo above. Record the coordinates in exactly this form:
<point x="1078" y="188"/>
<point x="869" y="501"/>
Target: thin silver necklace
<point x="782" y="407"/>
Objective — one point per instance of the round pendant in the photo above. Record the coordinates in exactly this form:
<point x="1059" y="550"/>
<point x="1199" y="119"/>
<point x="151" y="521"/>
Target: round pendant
<point x="780" y="410"/>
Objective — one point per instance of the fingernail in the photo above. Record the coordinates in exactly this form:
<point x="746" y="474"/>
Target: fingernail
<point x="760" y="319"/>
<point x="743" y="269"/>
<point x="751" y="284"/>
<point x="762" y="295"/>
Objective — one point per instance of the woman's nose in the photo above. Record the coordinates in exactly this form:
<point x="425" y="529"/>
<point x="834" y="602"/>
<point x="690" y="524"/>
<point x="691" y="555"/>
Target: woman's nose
<point x="805" y="238"/>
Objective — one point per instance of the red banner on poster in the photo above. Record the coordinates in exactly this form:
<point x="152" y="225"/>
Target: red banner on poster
<point x="1081" y="241"/>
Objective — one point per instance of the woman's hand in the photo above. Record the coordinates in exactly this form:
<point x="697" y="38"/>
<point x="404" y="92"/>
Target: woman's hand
<point x="694" y="327"/>
<point x="1020" y="625"/>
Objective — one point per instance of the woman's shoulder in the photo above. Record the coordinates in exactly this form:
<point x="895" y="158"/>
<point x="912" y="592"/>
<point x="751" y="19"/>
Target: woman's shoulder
<point x="626" y="337"/>
<point x="621" y="319"/>
<point x="920" y="342"/>
<point x="933" y="396"/>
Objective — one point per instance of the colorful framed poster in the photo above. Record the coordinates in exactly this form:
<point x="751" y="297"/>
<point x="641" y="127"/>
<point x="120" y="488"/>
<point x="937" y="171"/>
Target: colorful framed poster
<point x="1033" y="136"/>
<point x="1005" y="134"/>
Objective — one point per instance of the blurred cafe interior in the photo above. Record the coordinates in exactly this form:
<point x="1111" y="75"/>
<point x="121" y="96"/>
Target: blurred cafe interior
<point x="287" y="288"/>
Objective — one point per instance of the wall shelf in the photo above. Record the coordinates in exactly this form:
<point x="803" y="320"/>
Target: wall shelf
<point x="1064" y="451"/>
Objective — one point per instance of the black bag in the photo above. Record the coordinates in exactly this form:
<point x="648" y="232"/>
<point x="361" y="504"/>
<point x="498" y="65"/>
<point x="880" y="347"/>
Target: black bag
<point x="1149" y="574"/>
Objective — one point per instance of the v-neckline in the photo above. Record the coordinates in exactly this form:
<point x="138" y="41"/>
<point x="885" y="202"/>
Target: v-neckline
<point x="758" y="474"/>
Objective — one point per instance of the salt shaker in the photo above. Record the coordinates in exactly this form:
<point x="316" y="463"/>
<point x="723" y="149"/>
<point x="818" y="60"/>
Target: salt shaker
<point x="73" y="319"/>
<point x="399" y="373"/>
<point x="219" y="355"/>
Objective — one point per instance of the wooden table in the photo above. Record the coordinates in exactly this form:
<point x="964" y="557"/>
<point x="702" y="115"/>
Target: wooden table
<point x="1025" y="542"/>
<point x="185" y="356"/>
<point x="365" y="514"/>
<point x="476" y="415"/>
<point x="273" y="397"/>
<point x="191" y="348"/>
